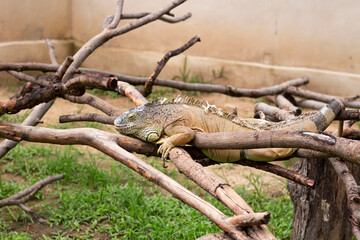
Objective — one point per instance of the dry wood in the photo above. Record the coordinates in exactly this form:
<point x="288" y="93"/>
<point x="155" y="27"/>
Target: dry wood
<point x="227" y="90"/>
<point x="89" y="117"/>
<point x="352" y="194"/>
<point x="215" y="236"/>
<point x="346" y="149"/>
<point x="151" y="80"/>
<point x="252" y="219"/>
<point x="130" y="91"/>
<point x="308" y="103"/>
<point x="163" y="18"/>
<point x="283" y="103"/>
<point x="348" y="101"/>
<point x="272" y="113"/>
<point x="76" y="86"/>
<point x="25" y="195"/>
<point x="51" y="48"/>
<point x="95" y="102"/>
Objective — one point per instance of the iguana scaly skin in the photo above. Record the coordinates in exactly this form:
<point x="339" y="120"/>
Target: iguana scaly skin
<point x="180" y="118"/>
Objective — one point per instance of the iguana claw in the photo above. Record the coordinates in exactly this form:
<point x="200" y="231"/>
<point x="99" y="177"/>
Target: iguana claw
<point x="164" y="150"/>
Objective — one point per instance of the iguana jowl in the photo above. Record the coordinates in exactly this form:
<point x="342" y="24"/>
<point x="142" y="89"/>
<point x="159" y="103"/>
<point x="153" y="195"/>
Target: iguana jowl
<point x="180" y="118"/>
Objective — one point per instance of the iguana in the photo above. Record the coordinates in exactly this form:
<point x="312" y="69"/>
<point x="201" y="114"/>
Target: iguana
<point x="180" y="118"/>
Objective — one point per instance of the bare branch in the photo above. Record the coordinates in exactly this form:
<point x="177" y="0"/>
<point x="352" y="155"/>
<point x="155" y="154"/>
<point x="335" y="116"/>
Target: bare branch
<point x="151" y="80"/>
<point x="272" y="113"/>
<point x="51" y="48"/>
<point x="283" y="103"/>
<point x="95" y="102"/>
<point x="89" y="117"/>
<point x="107" y="34"/>
<point x="346" y="149"/>
<point x="308" y="103"/>
<point x="323" y="97"/>
<point x="26" y="194"/>
<point x="163" y="18"/>
<point x="28" y="78"/>
<point x="32" y="214"/>
<point x="118" y="12"/>
<point x="130" y="91"/>
<point x="252" y="219"/>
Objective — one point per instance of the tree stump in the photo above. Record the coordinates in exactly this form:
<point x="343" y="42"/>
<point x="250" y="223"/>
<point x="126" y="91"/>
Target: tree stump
<point x="320" y="213"/>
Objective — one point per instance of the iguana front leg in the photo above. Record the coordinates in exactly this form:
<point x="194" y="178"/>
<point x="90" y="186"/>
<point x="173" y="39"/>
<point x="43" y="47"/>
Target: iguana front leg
<point x="178" y="135"/>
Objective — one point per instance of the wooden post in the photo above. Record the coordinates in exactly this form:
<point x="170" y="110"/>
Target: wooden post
<point x="320" y="213"/>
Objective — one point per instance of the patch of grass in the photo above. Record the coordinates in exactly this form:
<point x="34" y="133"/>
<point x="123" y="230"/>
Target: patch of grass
<point x="100" y="198"/>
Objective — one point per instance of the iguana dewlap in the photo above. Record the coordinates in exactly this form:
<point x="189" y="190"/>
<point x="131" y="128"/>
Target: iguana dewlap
<point x="179" y="119"/>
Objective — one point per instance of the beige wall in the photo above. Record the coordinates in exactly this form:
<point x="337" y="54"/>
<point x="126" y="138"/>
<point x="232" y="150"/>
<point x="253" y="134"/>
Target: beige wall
<point x="258" y="42"/>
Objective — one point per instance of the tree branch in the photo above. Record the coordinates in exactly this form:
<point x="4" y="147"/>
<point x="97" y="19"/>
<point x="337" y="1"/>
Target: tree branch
<point x="151" y="80"/>
<point x="346" y="149"/>
<point x="348" y="101"/>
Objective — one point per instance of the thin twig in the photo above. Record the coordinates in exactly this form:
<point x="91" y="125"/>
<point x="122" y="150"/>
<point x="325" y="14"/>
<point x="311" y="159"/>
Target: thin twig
<point x="51" y="48"/>
<point x="150" y="81"/>
<point x="95" y="102"/>
<point x="163" y="18"/>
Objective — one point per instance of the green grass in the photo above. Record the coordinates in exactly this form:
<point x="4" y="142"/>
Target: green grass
<point x="100" y="198"/>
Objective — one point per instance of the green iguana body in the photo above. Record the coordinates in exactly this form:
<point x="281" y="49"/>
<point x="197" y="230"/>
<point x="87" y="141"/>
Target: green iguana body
<point x="179" y="119"/>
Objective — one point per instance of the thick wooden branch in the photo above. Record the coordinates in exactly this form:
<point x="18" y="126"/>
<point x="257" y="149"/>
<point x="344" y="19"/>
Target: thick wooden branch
<point x="346" y="149"/>
<point x="151" y="80"/>
<point x="352" y="193"/>
<point x="76" y="86"/>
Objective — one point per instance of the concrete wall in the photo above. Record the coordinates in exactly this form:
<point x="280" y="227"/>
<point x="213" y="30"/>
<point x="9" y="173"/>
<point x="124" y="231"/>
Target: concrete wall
<point x="259" y="43"/>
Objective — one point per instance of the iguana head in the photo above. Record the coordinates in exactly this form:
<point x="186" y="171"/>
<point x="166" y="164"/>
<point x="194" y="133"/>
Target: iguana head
<point x="139" y="122"/>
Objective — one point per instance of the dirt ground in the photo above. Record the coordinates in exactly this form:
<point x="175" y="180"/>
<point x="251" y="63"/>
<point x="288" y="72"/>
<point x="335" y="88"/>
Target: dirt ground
<point x="235" y="175"/>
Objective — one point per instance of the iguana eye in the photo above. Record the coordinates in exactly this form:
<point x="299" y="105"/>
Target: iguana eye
<point x="153" y="136"/>
<point x="131" y="116"/>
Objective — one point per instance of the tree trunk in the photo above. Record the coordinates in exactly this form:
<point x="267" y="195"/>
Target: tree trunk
<point x="320" y="213"/>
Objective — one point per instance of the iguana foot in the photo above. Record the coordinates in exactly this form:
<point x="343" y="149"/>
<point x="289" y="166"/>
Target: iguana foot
<point x="164" y="150"/>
